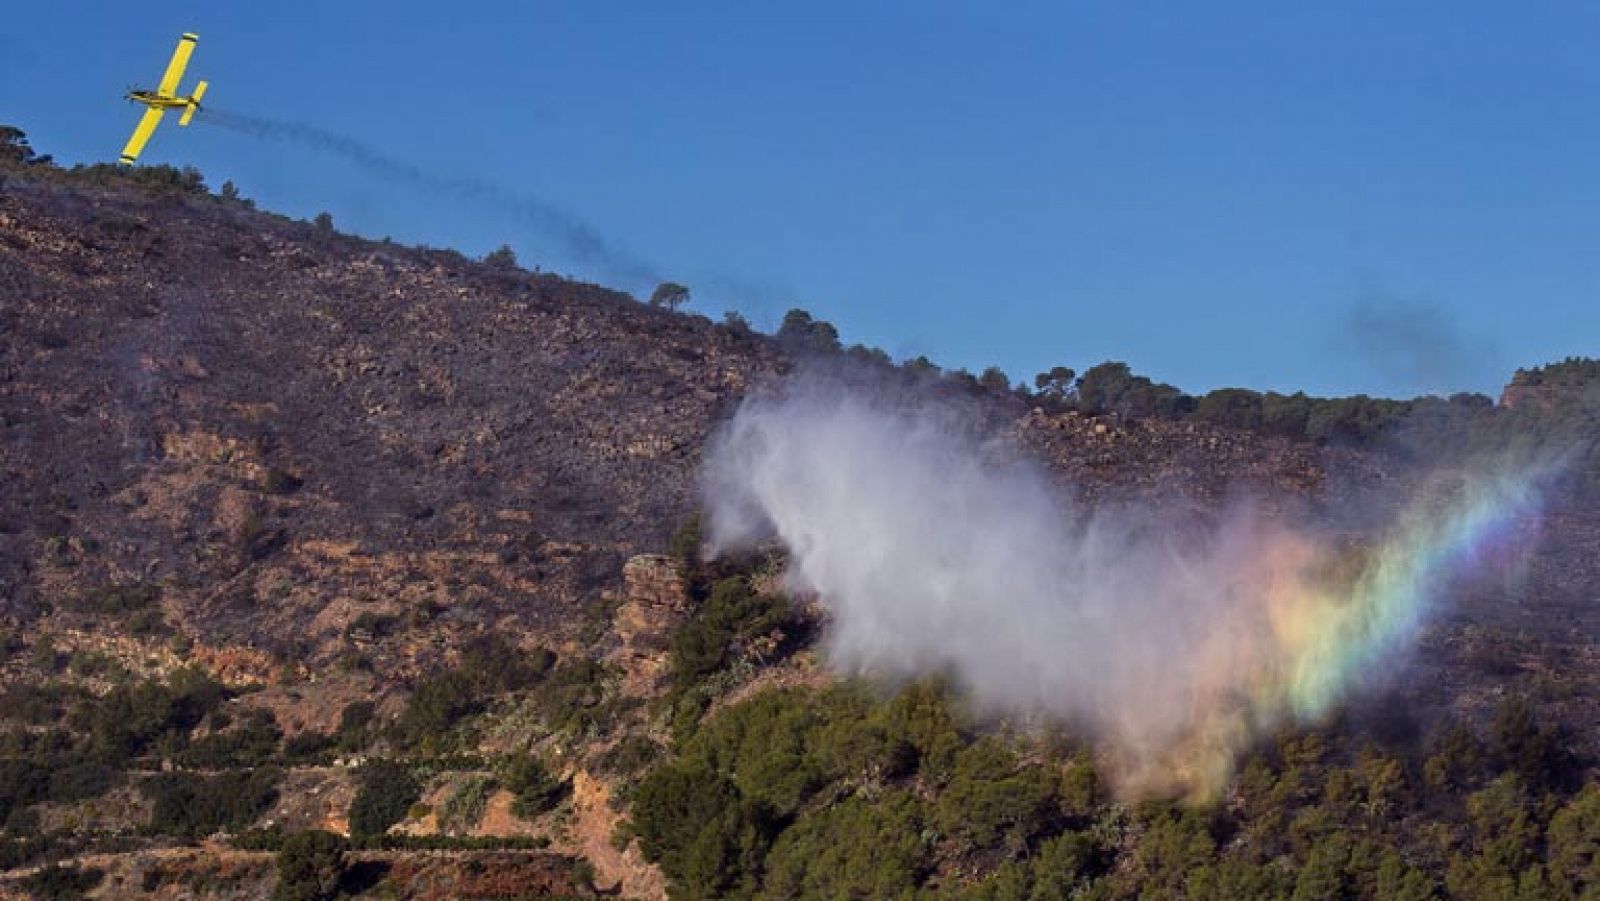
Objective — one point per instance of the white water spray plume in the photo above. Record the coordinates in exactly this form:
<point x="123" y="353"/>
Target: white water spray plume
<point x="1171" y="646"/>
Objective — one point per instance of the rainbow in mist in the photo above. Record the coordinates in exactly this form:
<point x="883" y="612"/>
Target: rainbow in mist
<point x="1332" y="618"/>
<point x="1333" y="640"/>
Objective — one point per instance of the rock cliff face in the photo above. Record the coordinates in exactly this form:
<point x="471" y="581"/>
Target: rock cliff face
<point x="655" y="603"/>
<point x="1571" y="383"/>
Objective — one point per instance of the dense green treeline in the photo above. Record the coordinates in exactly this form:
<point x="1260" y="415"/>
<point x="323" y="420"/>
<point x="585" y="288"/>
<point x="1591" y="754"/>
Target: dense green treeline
<point x="853" y="790"/>
<point x="842" y="792"/>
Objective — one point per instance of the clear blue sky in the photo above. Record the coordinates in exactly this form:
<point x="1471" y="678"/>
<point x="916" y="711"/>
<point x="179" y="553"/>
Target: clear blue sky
<point x="1361" y="196"/>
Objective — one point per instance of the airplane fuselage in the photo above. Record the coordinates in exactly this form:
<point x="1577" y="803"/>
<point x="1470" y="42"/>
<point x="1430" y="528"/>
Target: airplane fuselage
<point x="156" y="101"/>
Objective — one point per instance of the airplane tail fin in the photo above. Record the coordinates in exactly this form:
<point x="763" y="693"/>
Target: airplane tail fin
<point x="194" y="103"/>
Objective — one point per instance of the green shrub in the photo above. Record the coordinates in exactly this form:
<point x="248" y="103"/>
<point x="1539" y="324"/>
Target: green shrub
<point x="10" y="644"/>
<point x="22" y="783"/>
<point x="21" y="850"/>
<point x="991" y="798"/>
<point x="502" y="257"/>
<point x="684" y="545"/>
<point x="251" y="745"/>
<point x="489" y="666"/>
<point x="802" y="334"/>
<point x="569" y="699"/>
<point x="146" y="623"/>
<point x="1081" y="790"/>
<point x="36" y="705"/>
<point x="132" y="720"/>
<point x="45" y="656"/>
<point x="1573" y="841"/>
<point x="355" y="722"/>
<point x="385" y="790"/>
<point x="1062" y="868"/>
<point x="1063" y="865"/>
<point x="706" y="838"/>
<point x="670" y="295"/>
<point x="707" y="816"/>
<point x="1522" y="744"/>
<point x="1175" y="843"/>
<point x="120" y="599"/>
<point x="732" y="613"/>
<point x="630" y="755"/>
<point x="194" y="805"/>
<point x="14" y="147"/>
<point x="855" y="849"/>
<point x="309" y="747"/>
<point x="310" y="865"/>
<point x="535" y="787"/>
<point x="280" y="481"/>
<point x="921" y="716"/>
<point x="763" y="744"/>
<point x="436" y="706"/>
<point x="371" y="625"/>
<point x="853" y="743"/>
<point x="1234" y="407"/>
<point x="871" y="356"/>
<point x="160" y="180"/>
<point x="1112" y="387"/>
<point x="1458" y="761"/>
<point x="839" y="793"/>
<point x="71" y="781"/>
<point x="56" y="882"/>
<point x="461" y="812"/>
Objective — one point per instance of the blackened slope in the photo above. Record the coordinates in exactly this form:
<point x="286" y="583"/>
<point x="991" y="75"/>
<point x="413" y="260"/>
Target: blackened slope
<point x="168" y="362"/>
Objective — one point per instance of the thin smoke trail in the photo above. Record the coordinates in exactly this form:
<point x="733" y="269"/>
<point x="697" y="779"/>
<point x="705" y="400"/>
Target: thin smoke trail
<point x="580" y="240"/>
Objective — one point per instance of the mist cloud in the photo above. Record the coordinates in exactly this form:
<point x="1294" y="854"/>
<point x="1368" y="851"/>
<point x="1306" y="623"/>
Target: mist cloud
<point x="1170" y="642"/>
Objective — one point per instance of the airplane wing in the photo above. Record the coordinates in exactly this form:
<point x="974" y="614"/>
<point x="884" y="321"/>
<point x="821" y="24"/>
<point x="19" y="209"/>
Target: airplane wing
<point x="141" y="134"/>
<point x="180" y="60"/>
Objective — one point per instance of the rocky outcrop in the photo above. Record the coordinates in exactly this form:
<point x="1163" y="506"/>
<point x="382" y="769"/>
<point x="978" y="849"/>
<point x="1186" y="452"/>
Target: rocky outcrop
<point x="655" y="581"/>
<point x="655" y="602"/>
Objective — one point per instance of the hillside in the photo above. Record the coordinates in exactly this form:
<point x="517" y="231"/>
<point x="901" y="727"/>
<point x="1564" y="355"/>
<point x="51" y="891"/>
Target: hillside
<point x="394" y="541"/>
<point x="219" y="401"/>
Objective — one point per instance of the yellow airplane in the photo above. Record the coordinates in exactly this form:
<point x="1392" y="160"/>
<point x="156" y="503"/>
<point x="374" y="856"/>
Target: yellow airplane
<point x="163" y="98"/>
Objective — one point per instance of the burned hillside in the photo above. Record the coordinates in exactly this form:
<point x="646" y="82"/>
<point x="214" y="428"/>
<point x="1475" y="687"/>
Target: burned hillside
<point x="302" y="532"/>
<point x="247" y="411"/>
